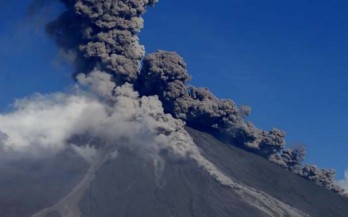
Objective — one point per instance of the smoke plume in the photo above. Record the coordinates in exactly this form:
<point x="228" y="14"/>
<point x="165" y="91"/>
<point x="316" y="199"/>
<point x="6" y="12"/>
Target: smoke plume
<point x="44" y="122"/>
<point x="50" y="123"/>
<point x="102" y="34"/>
<point x="164" y="74"/>
<point x="133" y="94"/>
<point x="322" y="177"/>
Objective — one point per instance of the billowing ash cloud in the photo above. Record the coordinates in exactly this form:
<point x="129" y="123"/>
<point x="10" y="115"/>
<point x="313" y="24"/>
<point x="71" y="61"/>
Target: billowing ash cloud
<point x="322" y="177"/>
<point x="44" y="122"/>
<point x="164" y="74"/>
<point x="102" y="34"/>
<point x="49" y="123"/>
<point x="100" y="82"/>
<point x="290" y="158"/>
<point x="147" y="94"/>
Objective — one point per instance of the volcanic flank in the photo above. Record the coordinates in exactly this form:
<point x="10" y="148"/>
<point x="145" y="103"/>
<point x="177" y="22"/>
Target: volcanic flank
<point x="134" y="139"/>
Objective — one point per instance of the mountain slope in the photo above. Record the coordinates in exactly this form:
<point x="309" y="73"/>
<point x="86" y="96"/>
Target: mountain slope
<point x="258" y="173"/>
<point x="183" y="189"/>
<point x="133" y="185"/>
<point x="28" y="185"/>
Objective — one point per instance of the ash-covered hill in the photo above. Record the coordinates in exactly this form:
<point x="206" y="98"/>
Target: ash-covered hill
<point x="129" y="184"/>
<point x="117" y="146"/>
<point x="183" y="189"/>
<point x="254" y="171"/>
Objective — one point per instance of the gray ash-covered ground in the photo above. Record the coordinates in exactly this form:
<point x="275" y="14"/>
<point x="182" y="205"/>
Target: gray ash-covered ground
<point x="131" y="185"/>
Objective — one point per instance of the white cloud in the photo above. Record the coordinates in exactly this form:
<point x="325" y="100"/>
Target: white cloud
<point x="88" y="153"/>
<point x="45" y="121"/>
<point x="344" y="183"/>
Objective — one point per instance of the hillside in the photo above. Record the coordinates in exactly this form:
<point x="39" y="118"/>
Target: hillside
<point x="131" y="185"/>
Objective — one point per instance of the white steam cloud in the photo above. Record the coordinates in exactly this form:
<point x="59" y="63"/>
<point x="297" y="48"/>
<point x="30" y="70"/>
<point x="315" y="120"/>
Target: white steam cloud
<point x="344" y="183"/>
<point x="49" y="123"/>
<point x="45" y="122"/>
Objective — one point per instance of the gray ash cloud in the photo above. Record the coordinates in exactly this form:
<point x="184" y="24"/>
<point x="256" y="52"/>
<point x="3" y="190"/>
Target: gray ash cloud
<point x="102" y="36"/>
<point x="165" y="74"/>
<point x="322" y="177"/>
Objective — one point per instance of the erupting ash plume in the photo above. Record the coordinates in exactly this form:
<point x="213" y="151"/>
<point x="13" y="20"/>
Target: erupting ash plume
<point x="49" y="123"/>
<point x="136" y="99"/>
<point x="52" y="122"/>
<point x="103" y="35"/>
<point x="164" y="74"/>
<point x="322" y="177"/>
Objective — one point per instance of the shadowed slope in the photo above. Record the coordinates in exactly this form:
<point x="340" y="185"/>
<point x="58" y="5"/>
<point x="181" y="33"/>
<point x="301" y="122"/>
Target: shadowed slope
<point x="129" y="186"/>
<point x="27" y="186"/>
<point x="254" y="171"/>
<point x="132" y="186"/>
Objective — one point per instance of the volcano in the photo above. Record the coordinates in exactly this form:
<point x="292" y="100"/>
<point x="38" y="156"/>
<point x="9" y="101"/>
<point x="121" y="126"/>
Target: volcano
<point x="127" y="184"/>
<point x="134" y="139"/>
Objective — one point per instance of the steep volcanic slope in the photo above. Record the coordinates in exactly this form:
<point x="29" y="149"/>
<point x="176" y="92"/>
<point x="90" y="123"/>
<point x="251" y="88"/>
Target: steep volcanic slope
<point x="131" y="186"/>
<point x="28" y="185"/>
<point x="265" y="176"/>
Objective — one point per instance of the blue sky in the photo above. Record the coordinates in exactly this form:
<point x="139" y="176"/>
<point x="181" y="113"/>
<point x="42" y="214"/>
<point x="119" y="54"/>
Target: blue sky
<point x="286" y="59"/>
